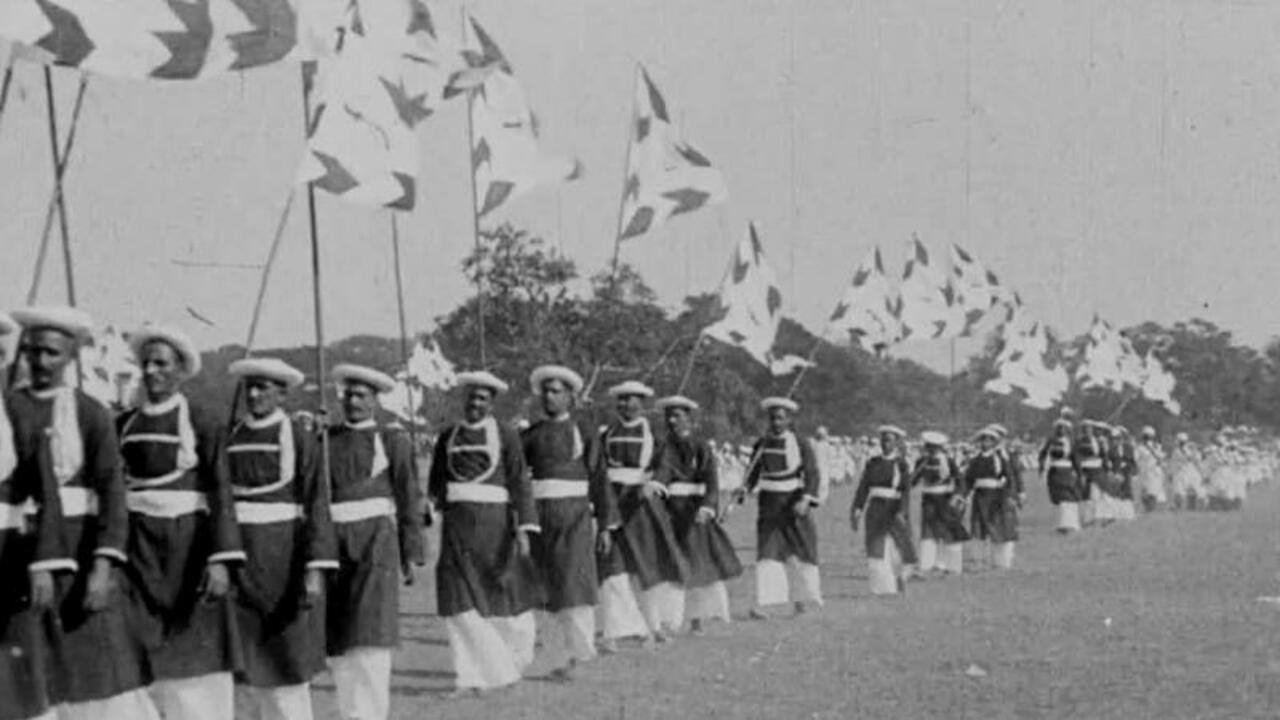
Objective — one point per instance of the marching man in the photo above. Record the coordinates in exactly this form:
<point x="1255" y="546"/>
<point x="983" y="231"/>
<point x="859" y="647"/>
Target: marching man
<point x="571" y="492"/>
<point x="1149" y="458"/>
<point x="1092" y="462"/>
<point x="785" y="475"/>
<point x="377" y="518"/>
<point x="1058" y="462"/>
<point x="645" y="553"/>
<point x="942" y="530"/>
<point x="686" y="467"/>
<point x="990" y="478"/>
<point x="67" y="566"/>
<point x="882" y="496"/>
<point x="185" y="539"/>
<point x="282" y="506"/>
<point x="478" y="479"/>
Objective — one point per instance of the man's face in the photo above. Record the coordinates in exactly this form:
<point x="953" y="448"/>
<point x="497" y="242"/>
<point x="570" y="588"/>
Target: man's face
<point x="888" y="442"/>
<point x="262" y="396"/>
<point x="359" y="401"/>
<point x="556" y="398"/>
<point x="48" y="352"/>
<point x="679" y="421"/>
<point x="161" y="369"/>
<point x="987" y="443"/>
<point x="629" y="407"/>
<point x="478" y="403"/>
<point x="779" y="420"/>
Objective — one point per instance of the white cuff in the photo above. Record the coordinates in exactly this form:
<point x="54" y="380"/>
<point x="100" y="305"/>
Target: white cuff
<point x="228" y="556"/>
<point x="322" y="565"/>
<point x="53" y="566"/>
<point x="530" y="527"/>
<point x="111" y="554"/>
<point x="813" y="500"/>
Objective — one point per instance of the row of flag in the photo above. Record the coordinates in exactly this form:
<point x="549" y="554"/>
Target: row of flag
<point x="373" y="72"/>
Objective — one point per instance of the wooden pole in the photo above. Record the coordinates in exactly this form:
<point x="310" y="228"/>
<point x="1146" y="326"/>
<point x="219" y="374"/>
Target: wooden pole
<point x="61" y="161"/>
<point x="317" y="303"/>
<point x="688" y="370"/>
<point x="813" y="355"/>
<point x="5" y="86"/>
<point x="67" y="264"/>
<point x="622" y="202"/>
<point x="481" y="294"/>
<point x="404" y="336"/>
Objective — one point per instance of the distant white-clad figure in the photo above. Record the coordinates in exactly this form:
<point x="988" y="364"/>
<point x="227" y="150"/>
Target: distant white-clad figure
<point x="1187" y="481"/>
<point x="1149" y="457"/>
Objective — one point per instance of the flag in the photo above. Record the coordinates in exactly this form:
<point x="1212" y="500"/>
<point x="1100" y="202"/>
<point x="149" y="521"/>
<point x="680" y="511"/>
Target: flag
<point x="867" y="312"/>
<point x="108" y="371"/>
<point x="428" y="366"/>
<point x="753" y="306"/>
<point x="1108" y="359"/>
<point x="1022" y="365"/>
<point x="387" y="75"/>
<point x="930" y="306"/>
<point x="977" y="286"/>
<point x="506" y="154"/>
<point x="170" y="39"/>
<point x="404" y="400"/>
<point x="666" y="176"/>
<point x="1157" y="383"/>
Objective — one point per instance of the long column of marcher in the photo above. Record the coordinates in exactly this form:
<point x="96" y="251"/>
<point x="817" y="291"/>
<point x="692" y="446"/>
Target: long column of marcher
<point x="159" y="563"/>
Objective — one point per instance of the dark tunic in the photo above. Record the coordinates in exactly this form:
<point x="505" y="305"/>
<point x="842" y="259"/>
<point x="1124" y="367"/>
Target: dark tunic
<point x="940" y="482"/>
<point x="687" y="467"/>
<point x="1057" y="456"/>
<point x="781" y="533"/>
<point x="993" y="516"/>
<point x="364" y="597"/>
<point x="559" y="450"/>
<point x="881" y="496"/>
<point x="1091" y="458"/>
<point x="1123" y="461"/>
<point x="646" y="545"/>
<point x="479" y="567"/>
<point x="89" y="656"/>
<point x="286" y="529"/>
<point x="185" y="636"/>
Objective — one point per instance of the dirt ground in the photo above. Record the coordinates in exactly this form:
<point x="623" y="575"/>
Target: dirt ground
<point x="1157" y="618"/>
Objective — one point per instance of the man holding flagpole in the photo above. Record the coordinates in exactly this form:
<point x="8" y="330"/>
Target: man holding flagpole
<point x="882" y="497"/>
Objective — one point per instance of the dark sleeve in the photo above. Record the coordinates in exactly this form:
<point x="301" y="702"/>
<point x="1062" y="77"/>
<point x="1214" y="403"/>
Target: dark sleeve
<point x="753" y="469"/>
<point x="105" y="477"/>
<point x="601" y="495"/>
<point x="407" y="495"/>
<point x="709" y="471"/>
<point x="438" y="476"/>
<point x="961" y="481"/>
<point x="214" y="479"/>
<point x="916" y="475"/>
<point x="519" y="486"/>
<point x="1014" y="470"/>
<point x="864" y="485"/>
<point x="1044" y="455"/>
<point x="809" y="464"/>
<point x="322" y="543"/>
<point x="33" y="477"/>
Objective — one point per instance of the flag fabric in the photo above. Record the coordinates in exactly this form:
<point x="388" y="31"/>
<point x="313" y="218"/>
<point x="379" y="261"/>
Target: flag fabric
<point x="1023" y="368"/>
<point x="506" y="153"/>
<point x="930" y="306"/>
<point x="170" y="39"/>
<point x="428" y="367"/>
<point x="752" y="302"/>
<point x="867" y="314"/>
<point x="404" y="400"/>
<point x="386" y="76"/>
<point x="1157" y="383"/>
<point x="666" y="176"/>
<point x="1108" y="359"/>
<point x="108" y="371"/>
<point x="977" y="287"/>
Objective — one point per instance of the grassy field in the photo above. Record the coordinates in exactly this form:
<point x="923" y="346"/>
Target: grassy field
<point x="1157" y="618"/>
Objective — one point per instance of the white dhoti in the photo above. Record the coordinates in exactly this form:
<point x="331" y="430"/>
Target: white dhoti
<point x="619" y="611"/>
<point x="569" y="635"/>
<point x="520" y="633"/>
<point x="207" y="697"/>
<point x="131" y="705"/>
<point x="362" y="679"/>
<point x="951" y="558"/>
<point x="663" y="607"/>
<point x="709" y="602"/>
<point x="288" y="702"/>
<point x="793" y="581"/>
<point x="1002" y="555"/>
<point x="882" y="572"/>
<point x="929" y="555"/>
<point x="482" y="656"/>
<point x="1068" y="516"/>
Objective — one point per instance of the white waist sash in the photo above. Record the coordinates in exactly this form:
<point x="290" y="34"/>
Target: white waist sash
<point x="13" y="517"/>
<point x="476" y="493"/>
<point x="266" y="513"/>
<point x="1060" y="464"/>
<point x="885" y="493"/>
<point x="357" y="510"/>
<point x="1091" y="464"/>
<point x="626" y="476"/>
<point x="780" y="486"/>
<point x="166" y="503"/>
<point x="557" y="489"/>
<point x="78" y="501"/>
<point x="136" y="483"/>
<point x="686" y="489"/>
<point x="988" y="483"/>
<point x="937" y="489"/>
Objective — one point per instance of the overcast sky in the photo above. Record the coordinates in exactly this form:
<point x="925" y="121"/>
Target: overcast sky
<point x="1117" y="157"/>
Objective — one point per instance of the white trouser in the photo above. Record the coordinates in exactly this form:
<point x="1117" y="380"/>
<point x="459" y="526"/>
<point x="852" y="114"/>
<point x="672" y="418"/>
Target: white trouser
<point x="620" y="614"/>
<point x="520" y="633"/>
<point x="795" y="581"/>
<point x="882" y="572"/>
<point x="1002" y="555"/>
<point x="482" y="658"/>
<point x="362" y="678"/>
<point x="951" y="558"/>
<point x="206" y="697"/>
<point x="709" y="602"/>
<point x="929" y="555"/>
<point x="663" y="607"/>
<point x="570" y="636"/>
<point x="286" y="702"/>
<point x="131" y="705"/>
<point x="1068" y="516"/>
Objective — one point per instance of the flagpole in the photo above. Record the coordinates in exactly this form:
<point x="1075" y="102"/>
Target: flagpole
<point x="404" y="338"/>
<point x="5" y="86"/>
<point x="481" y="295"/>
<point x="622" y="201"/>
<point x="809" y="360"/>
<point x="61" y="160"/>
<point x="317" y="303"/>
